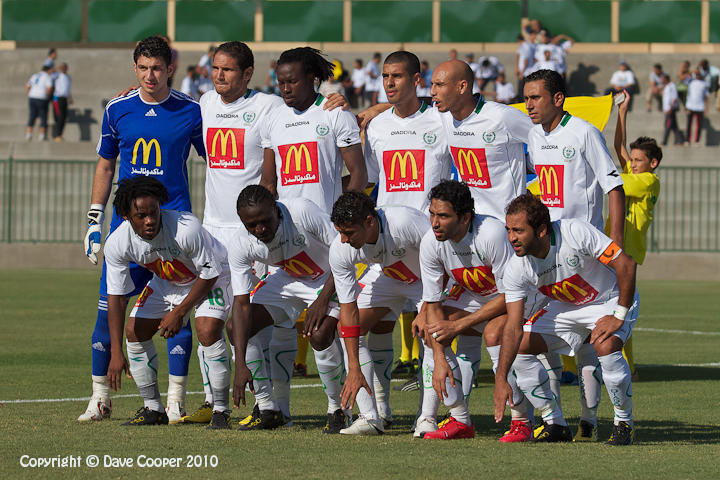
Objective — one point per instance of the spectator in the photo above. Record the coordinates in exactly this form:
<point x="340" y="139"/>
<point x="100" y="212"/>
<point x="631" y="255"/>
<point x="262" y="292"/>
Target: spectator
<point x="560" y="45"/>
<point x="684" y="77"/>
<point x="475" y="67"/>
<point x="712" y="74"/>
<point x="333" y="84"/>
<point x="206" y="60"/>
<point x="423" y="88"/>
<point x="670" y="105"/>
<point x="524" y="58"/>
<point x="696" y="104"/>
<point x="656" y="87"/>
<point x="452" y="55"/>
<point x="488" y="71"/>
<point x="189" y="85"/>
<point x="373" y="79"/>
<point x="39" y="89"/>
<point x="622" y="79"/>
<point x="358" y="84"/>
<point x="271" y="83"/>
<point x="61" y="99"/>
<point x="547" y="63"/>
<point x="204" y="80"/>
<point x="504" y="91"/>
<point x="50" y="60"/>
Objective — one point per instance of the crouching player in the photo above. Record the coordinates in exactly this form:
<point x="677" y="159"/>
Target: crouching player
<point x="296" y="237"/>
<point x="590" y="284"/>
<point x="190" y="270"/>
<point x="388" y="241"/>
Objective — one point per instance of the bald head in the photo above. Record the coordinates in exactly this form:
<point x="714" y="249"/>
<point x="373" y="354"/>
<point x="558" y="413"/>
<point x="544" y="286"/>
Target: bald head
<point x="457" y="70"/>
<point x="452" y="86"/>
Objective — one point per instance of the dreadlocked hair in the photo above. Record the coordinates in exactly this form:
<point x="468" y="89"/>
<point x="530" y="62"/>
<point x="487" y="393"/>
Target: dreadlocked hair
<point x="311" y="59"/>
<point x="253" y="195"/>
<point x="131" y="189"/>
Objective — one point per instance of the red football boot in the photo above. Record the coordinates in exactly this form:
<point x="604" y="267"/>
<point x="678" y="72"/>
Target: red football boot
<point x="452" y="430"/>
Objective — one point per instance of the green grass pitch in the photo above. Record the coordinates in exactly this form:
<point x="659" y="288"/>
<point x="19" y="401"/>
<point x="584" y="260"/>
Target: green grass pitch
<point x="47" y="317"/>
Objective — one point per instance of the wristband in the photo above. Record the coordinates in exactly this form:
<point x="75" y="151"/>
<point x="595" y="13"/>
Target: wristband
<point x="351" y="331"/>
<point x="620" y="312"/>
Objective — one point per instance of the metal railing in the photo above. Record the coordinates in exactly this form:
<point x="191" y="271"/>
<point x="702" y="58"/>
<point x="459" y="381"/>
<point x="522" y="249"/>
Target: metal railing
<point x="46" y="201"/>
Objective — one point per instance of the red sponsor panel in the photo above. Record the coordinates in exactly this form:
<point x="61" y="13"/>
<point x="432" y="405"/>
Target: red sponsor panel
<point x="147" y="291"/>
<point x="299" y="163"/>
<point x="226" y="148"/>
<point x="301" y="266"/>
<point x="471" y="164"/>
<point x="550" y="179"/>
<point x="175" y="271"/>
<point x="455" y="292"/>
<point x="571" y="290"/>
<point x="400" y="271"/>
<point x="404" y="170"/>
<point x="535" y="316"/>
<point x="476" y="279"/>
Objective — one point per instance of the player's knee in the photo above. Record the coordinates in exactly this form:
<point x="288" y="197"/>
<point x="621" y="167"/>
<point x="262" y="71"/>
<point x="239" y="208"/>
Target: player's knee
<point x="208" y="330"/>
<point x="532" y="344"/>
<point x="323" y="337"/>
<point x="609" y="345"/>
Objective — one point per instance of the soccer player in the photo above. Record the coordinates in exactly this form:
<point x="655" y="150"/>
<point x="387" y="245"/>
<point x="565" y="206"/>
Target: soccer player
<point x="189" y="269"/>
<point x="306" y="145"/>
<point x="151" y="129"/>
<point x="485" y="139"/>
<point x="589" y="282"/>
<point x="388" y="241"/>
<point x="296" y="237"/>
<point x="472" y="250"/>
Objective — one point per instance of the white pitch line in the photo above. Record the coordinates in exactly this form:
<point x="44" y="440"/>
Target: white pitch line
<point x="657" y="365"/>
<point x="661" y="330"/>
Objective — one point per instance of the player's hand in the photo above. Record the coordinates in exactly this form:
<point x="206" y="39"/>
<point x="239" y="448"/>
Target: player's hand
<point x="335" y="100"/>
<point x="354" y="381"/>
<point x="623" y="107"/>
<point x="118" y="364"/>
<point x="243" y="377"/>
<point x="442" y="331"/>
<point x="502" y="396"/>
<point x="604" y="328"/>
<point x="170" y="324"/>
<point x="441" y="372"/>
<point x="93" y="236"/>
<point x="126" y="91"/>
<point x="315" y="314"/>
<point x="419" y="326"/>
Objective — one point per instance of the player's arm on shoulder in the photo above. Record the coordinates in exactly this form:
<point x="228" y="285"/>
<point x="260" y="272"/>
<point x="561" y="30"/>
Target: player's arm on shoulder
<point x="268" y="177"/>
<point x="364" y="117"/>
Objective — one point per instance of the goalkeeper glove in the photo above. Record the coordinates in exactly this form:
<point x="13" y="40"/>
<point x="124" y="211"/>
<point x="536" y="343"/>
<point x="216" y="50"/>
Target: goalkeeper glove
<point x="95" y="216"/>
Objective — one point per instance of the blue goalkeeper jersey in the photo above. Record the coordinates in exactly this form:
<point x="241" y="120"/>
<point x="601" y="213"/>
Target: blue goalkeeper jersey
<point x="153" y="139"/>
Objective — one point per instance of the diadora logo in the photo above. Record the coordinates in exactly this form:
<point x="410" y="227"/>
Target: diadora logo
<point x="144" y="148"/>
<point x="226" y="147"/>
<point x="147" y="291"/>
<point x="550" y="178"/>
<point x="174" y="271"/>
<point x="404" y="170"/>
<point x="476" y="279"/>
<point x="471" y="164"/>
<point x="400" y="271"/>
<point x="301" y="265"/>
<point x="299" y="163"/>
<point x="571" y="290"/>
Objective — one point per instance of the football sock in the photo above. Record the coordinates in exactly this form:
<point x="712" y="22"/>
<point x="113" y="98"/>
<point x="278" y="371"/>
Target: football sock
<point x="143" y="361"/>
<point x="569" y="364"/>
<point x="100" y="387"/>
<point x="406" y="337"/>
<point x="100" y="340"/>
<point x="179" y="349"/>
<point x="255" y="359"/>
<point x="203" y="372"/>
<point x="616" y="375"/>
<point x="283" y="348"/>
<point x="469" y="351"/>
<point x="590" y="378"/>
<point x="455" y="400"/>
<point x="430" y="399"/>
<point x="332" y="372"/>
<point x="365" y="403"/>
<point x="523" y="409"/>
<point x="553" y="365"/>
<point x="532" y="379"/>
<point x="217" y="357"/>
<point x="381" y="352"/>
<point x="176" y="390"/>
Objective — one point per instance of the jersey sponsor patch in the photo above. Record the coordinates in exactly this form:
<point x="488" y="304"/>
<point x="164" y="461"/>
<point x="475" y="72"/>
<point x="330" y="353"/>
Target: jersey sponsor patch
<point x="610" y="253"/>
<point x="226" y="148"/>
<point x="476" y="279"/>
<point x="535" y="316"/>
<point x="550" y="180"/>
<point x="147" y="291"/>
<point x="573" y="290"/>
<point x="471" y="164"/>
<point x="400" y="271"/>
<point x="175" y="271"/>
<point x="455" y="292"/>
<point x="301" y="266"/>
<point x="404" y="170"/>
<point x="299" y="163"/>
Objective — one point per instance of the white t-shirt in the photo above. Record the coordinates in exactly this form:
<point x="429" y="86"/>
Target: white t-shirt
<point x="39" y="83"/>
<point x="300" y="246"/>
<point x="574" y="169"/>
<point x="307" y="146"/>
<point x="487" y="150"/>
<point x="61" y="85"/>
<point x="526" y="51"/>
<point x="180" y="253"/>
<point x="504" y="92"/>
<point x="622" y="78"/>
<point x="696" y="93"/>
<point x="474" y="66"/>
<point x="669" y="97"/>
<point x="476" y="263"/>
<point x="571" y="272"/>
<point x="559" y="54"/>
<point x="358" y="77"/>
<point x="489" y="71"/>
<point x="232" y="136"/>
<point x="540" y="50"/>
<point x="406" y="157"/>
<point x="397" y="251"/>
<point x="546" y="65"/>
<point x="189" y="87"/>
<point x="372" y="84"/>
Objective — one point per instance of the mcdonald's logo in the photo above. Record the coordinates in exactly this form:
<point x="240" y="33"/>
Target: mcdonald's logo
<point x="404" y="170"/>
<point x="400" y="271"/>
<point x="550" y="179"/>
<point x="455" y="292"/>
<point x="535" y="316"/>
<point x="146" y="149"/>
<point x="301" y="266"/>
<point x="147" y="291"/>
<point x="226" y="147"/>
<point x="175" y="271"/>
<point x="571" y="290"/>
<point x="299" y="163"/>
<point x="471" y="164"/>
<point x="476" y="279"/>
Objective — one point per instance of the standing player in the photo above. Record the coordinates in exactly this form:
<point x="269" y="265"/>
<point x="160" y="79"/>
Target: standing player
<point x="389" y="240"/>
<point x="589" y="282"/>
<point x="296" y="237"/>
<point x="151" y="130"/>
<point x="190" y="269"/>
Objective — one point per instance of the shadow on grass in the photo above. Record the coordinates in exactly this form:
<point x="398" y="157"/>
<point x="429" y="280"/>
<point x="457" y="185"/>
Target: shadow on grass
<point x="669" y="373"/>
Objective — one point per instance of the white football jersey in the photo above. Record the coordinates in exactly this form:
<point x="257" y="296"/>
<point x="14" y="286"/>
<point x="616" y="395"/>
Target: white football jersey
<point x="573" y="271"/>
<point x="488" y="153"/>
<point x="406" y="157"/>
<point x="574" y="169"/>
<point x="307" y="146"/>
<point x="180" y="253"/>
<point x="476" y="263"/>
<point x="300" y="246"/>
<point x="397" y="251"/>
<point x="231" y="132"/>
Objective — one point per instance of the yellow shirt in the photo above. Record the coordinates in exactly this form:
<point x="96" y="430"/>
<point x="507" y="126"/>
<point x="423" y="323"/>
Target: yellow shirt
<point x="641" y="195"/>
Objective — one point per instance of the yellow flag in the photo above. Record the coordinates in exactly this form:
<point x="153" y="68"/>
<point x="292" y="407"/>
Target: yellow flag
<point x="595" y="110"/>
